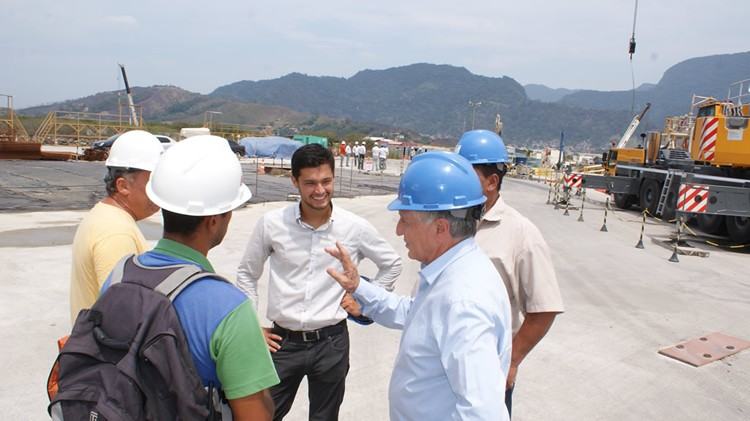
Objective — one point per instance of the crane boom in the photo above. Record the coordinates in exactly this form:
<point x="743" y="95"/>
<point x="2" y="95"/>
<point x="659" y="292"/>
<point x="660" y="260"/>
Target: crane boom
<point x="131" y="105"/>
<point x="633" y="125"/>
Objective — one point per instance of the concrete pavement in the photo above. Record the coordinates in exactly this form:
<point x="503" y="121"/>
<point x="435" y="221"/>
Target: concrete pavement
<point x="599" y="361"/>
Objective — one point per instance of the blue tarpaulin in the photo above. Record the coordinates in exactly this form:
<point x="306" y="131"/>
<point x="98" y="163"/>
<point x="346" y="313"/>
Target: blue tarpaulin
<point x="270" y="146"/>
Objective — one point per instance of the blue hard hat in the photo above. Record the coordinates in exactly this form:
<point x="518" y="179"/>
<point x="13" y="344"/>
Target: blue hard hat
<point x="436" y="181"/>
<point x="482" y="147"/>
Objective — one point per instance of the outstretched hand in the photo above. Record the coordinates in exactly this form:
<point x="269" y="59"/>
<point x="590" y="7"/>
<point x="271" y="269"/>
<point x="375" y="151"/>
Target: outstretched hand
<point x="349" y="278"/>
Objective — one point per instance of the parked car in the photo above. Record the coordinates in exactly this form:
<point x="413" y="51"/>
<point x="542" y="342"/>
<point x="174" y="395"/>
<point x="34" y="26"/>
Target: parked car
<point x="105" y="144"/>
<point x="166" y="142"/>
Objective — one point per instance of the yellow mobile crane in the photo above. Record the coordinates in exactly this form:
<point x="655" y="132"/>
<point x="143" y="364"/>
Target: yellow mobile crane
<point x="699" y="165"/>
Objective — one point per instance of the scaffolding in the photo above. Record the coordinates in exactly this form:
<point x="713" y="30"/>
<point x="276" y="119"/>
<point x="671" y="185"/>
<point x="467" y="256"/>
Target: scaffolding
<point x="677" y="131"/>
<point x="235" y="131"/>
<point x="83" y="128"/>
<point x="11" y="129"/>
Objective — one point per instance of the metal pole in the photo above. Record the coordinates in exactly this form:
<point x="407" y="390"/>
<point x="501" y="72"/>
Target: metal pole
<point x="674" y="258"/>
<point x="643" y="225"/>
<point x="549" y="194"/>
<point x="583" y="201"/>
<point x="562" y="144"/>
<point x="604" y="225"/>
<point x="341" y="175"/>
<point x="257" y="168"/>
<point x="351" y="177"/>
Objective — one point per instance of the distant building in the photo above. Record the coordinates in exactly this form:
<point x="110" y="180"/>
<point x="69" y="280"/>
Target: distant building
<point x="307" y="139"/>
<point x="383" y="140"/>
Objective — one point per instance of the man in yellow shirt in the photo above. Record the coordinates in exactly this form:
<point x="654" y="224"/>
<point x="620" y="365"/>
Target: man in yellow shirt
<point x="109" y="231"/>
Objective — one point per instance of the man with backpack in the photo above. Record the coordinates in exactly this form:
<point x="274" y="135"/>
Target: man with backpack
<point x="134" y="355"/>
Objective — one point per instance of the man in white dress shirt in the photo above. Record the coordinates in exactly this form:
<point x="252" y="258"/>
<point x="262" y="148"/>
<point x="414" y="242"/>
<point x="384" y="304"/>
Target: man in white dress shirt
<point x="383" y="156"/>
<point x="375" y="157"/>
<point x="309" y="336"/>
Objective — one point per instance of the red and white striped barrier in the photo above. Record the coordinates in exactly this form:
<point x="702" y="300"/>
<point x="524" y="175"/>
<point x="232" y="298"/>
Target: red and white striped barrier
<point x="573" y="180"/>
<point x="693" y="198"/>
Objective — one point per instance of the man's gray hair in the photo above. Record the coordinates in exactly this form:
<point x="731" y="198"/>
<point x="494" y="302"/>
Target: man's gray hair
<point x="463" y="222"/>
<point x="113" y="173"/>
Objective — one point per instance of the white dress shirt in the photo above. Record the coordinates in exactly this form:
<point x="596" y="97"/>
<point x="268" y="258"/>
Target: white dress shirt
<point x="301" y="295"/>
<point x="455" y="350"/>
<point x="383" y="152"/>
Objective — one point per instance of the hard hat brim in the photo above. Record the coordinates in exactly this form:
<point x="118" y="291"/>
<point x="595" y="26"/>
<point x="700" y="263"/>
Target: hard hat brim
<point x="398" y="205"/>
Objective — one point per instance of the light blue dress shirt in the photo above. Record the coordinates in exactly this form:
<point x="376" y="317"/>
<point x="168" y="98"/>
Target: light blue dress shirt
<point x="455" y="349"/>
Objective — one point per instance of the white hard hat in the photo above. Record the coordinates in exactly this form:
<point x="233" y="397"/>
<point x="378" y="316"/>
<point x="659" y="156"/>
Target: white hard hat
<point x="343" y="142"/>
<point x="199" y="176"/>
<point x="135" y="149"/>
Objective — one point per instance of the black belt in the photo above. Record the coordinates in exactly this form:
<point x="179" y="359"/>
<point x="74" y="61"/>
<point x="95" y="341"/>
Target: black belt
<point x="310" y="335"/>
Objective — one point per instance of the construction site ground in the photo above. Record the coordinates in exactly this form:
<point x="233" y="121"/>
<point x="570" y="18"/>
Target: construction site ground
<point x="600" y="360"/>
<point x="68" y="185"/>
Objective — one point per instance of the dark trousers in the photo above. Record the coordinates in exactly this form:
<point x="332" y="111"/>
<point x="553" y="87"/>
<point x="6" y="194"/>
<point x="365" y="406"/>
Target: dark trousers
<point x="325" y="363"/>
<point x="509" y="399"/>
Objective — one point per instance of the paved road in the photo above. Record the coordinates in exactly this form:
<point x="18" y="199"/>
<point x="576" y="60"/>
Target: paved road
<point x="53" y="185"/>
<point x="599" y="362"/>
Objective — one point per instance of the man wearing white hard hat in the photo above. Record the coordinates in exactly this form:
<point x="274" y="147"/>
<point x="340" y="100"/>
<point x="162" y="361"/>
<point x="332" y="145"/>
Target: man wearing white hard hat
<point x="220" y="325"/>
<point x="109" y="231"/>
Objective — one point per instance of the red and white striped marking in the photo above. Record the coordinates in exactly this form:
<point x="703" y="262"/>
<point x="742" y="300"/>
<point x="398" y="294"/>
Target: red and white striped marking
<point x="708" y="139"/>
<point x="693" y="198"/>
<point x="573" y="180"/>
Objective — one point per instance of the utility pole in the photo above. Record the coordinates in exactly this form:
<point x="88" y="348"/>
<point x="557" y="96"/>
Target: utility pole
<point x="474" y="106"/>
<point x="208" y="118"/>
<point x="562" y="144"/>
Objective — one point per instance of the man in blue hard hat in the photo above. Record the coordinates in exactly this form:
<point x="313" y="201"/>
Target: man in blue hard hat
<point x="517" y="250"/>
<point x="454" y="354"/>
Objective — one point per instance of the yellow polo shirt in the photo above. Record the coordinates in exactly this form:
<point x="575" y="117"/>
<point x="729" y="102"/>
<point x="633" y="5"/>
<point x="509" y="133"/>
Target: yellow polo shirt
<point x="105" y="235"/>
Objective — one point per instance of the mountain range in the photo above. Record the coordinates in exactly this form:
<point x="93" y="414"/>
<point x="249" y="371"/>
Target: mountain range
<point x="433" y="101"/>
<point x="672" y="95"/>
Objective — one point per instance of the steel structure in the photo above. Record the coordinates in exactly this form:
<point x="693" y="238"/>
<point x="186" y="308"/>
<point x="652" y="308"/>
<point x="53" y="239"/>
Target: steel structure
<point x="82" y="128"/>
<point x="233" y="131"/>
<point x="11" y="129"/>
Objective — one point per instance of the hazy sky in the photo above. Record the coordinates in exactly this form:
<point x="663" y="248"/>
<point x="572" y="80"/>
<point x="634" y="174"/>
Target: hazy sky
<point x="52" y="50"/>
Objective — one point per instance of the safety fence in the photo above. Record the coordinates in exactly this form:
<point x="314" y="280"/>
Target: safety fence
<point x="564" y="196"/>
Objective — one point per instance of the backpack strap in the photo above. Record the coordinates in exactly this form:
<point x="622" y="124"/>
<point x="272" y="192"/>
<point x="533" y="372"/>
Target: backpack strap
<point x="182" y="278"/>
<point x="176" y="280"/>
<point x="117" y="272"/>
<point x="176" y="291"/>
